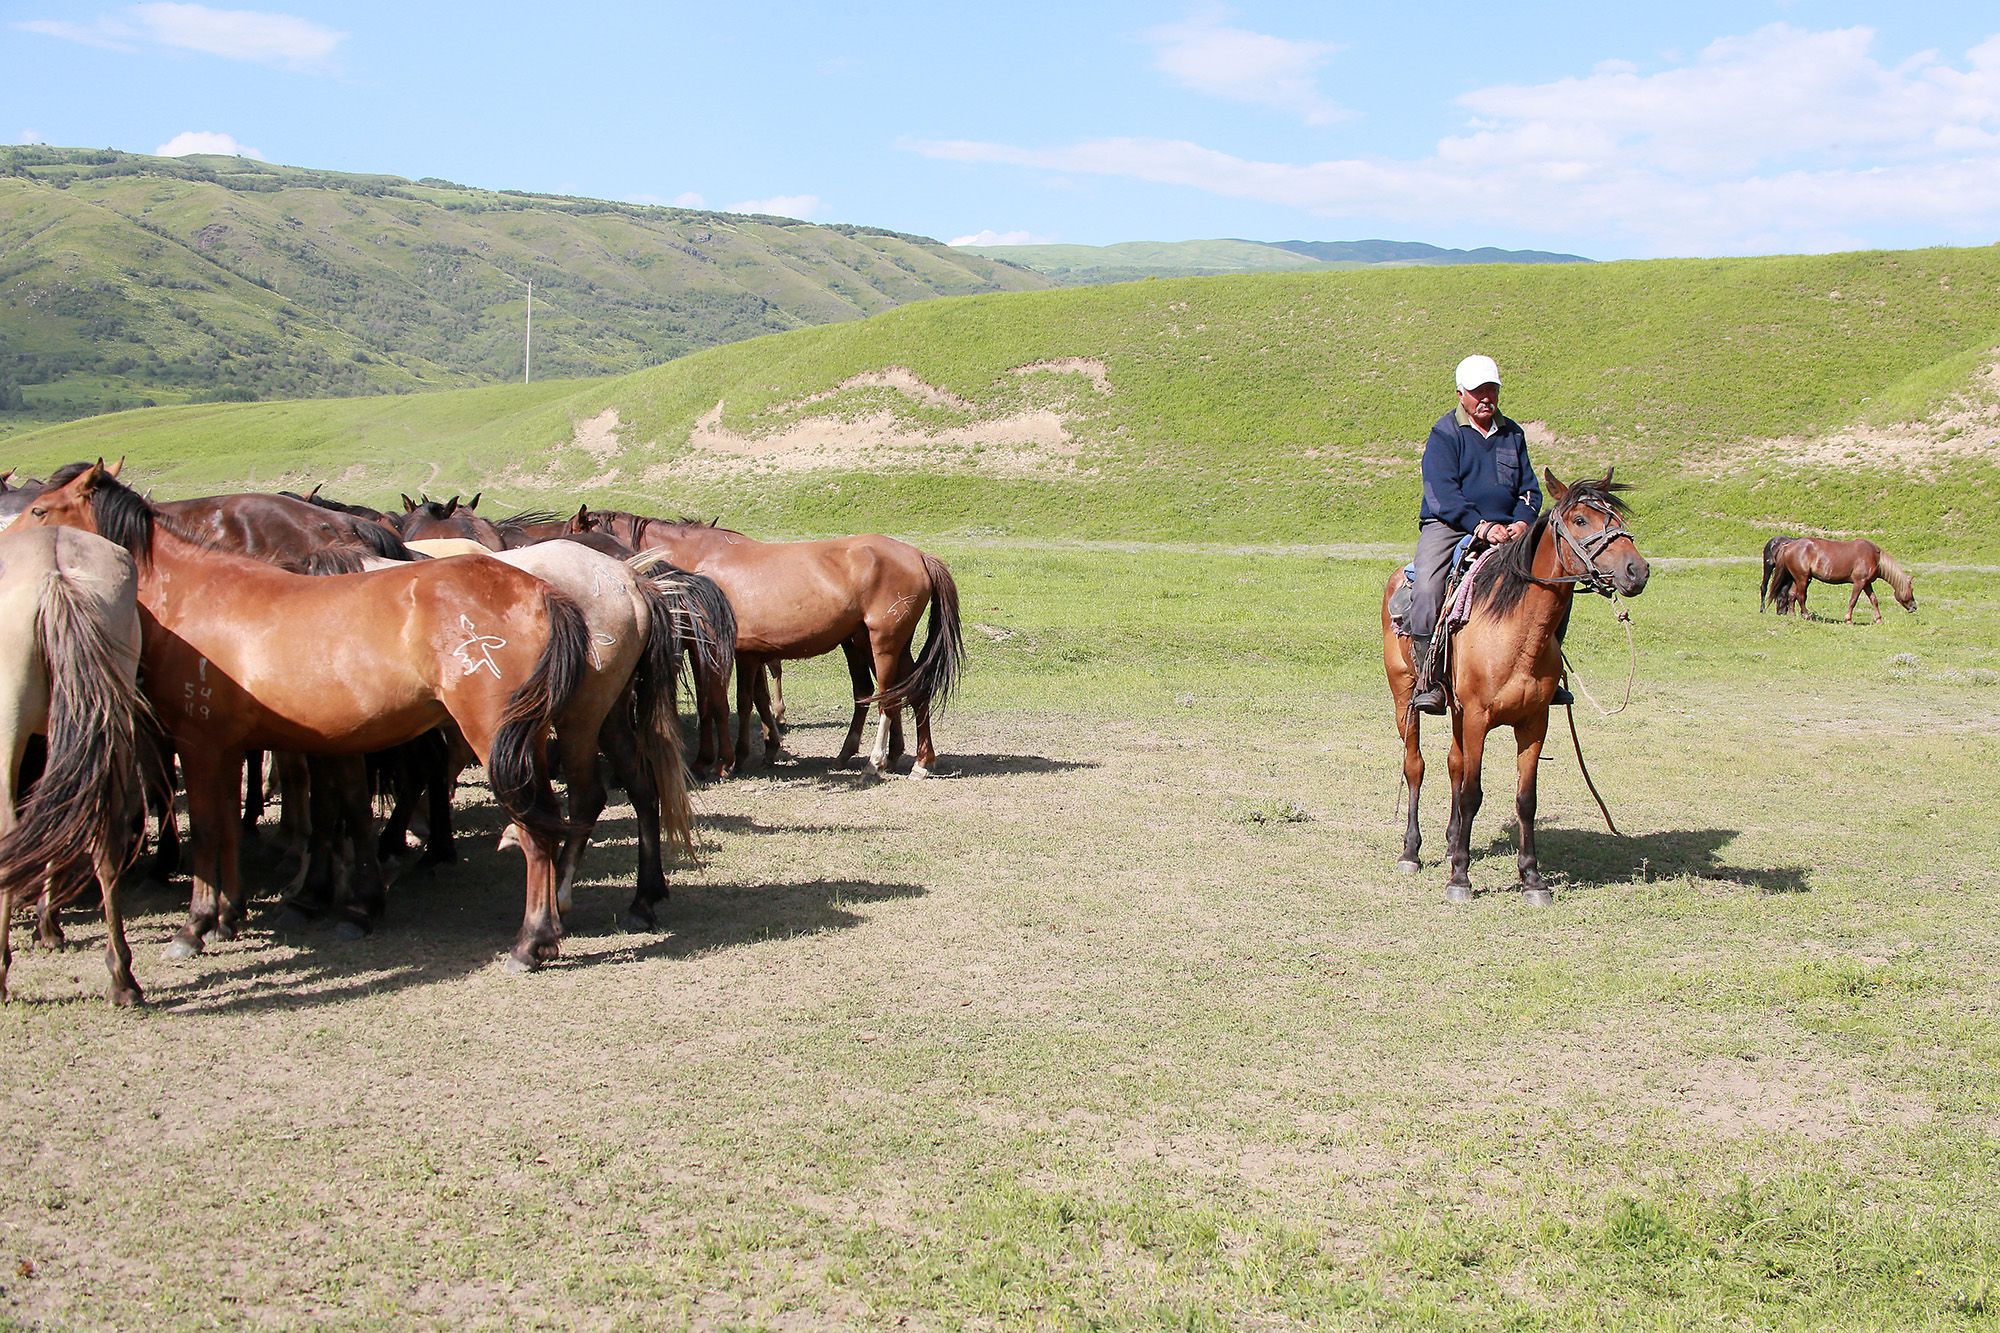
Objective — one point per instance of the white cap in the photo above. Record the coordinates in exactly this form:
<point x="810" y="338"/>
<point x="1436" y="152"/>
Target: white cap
<point x="1475" y="371"/>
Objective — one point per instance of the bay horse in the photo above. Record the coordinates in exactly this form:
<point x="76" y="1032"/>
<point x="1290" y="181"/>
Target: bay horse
<point x="1797" y="561"/>
<point x="1507" y="660"/>
<point x="238" y="654"/>
<point x="863" y="595"/>
<point x="69" y="663"/>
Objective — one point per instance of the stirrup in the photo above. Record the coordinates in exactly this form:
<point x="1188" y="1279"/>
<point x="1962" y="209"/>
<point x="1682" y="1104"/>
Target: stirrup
<point x="1562" y="698"/>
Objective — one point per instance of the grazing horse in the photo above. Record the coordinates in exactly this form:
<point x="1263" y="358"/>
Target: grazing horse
<point x="863" y="595"/>
<point x="242" y="655"/>
<point x="1507" y="660"/>
<point x="1798" y="561"/>
<point x="1771" y="549"/>
<point x="69" y="662"/>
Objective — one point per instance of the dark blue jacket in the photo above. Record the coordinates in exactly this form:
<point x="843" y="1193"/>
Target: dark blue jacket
<point x="1470" y="478"/>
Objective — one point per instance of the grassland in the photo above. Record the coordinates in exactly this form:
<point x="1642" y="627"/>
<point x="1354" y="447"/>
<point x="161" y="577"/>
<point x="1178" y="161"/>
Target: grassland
<point x="1127" y="1023"/>
<point x="1744" y="396"/>
<point x="1128" y="261"/>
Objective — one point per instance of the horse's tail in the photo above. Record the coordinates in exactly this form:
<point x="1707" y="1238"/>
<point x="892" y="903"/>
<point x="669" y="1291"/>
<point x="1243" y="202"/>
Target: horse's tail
<point x="1770" y="567"/>
<point x="98" y="727"/>
<point x="943" y="657"/>
<point x="659" y="726"/>
<point x="520" y="784"/>
<point x="327" y="561"/>
<point x="703" y="612"/>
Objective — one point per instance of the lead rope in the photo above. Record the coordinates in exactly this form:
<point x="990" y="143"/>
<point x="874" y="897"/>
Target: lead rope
<point x="1625" y="619"/>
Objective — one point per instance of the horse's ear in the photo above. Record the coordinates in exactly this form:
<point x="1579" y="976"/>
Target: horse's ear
<point x="582" y="521"/>
<point x="5" y="477"/>
<point x="715" y="522"/>
<point x="409" y="505"/>
<point x="451" y="508"/>
<point x="115" y="468"/>
<point x="1554" y="489"/>
<point x="315" y="490"/>
<point x="473" y="503"/>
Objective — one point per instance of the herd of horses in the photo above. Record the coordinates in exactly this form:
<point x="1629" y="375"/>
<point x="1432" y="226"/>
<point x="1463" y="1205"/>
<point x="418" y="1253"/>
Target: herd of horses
<point x="375" y="654"/>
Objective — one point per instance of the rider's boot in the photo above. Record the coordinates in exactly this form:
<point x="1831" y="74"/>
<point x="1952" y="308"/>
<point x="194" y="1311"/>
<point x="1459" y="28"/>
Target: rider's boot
<point x="1429" y="695"/>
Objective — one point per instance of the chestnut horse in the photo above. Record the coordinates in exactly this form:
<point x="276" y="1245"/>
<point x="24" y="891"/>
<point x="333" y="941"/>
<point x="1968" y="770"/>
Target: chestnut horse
<point x="239" y="654"/>
<point x="1507" y="660"/>
<point x="69" y="663"/>
<point x="863" y="595"/>
<point x="1797" y="561"/>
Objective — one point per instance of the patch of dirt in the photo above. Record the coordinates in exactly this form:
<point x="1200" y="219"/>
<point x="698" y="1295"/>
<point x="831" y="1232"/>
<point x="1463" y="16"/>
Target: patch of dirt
<point x="598" y="436"/>
<point x="1089" y="367"/>
<point x="1966" y="427"/>
<point x="899" y="378"/>
<point x="1034" y="442"/>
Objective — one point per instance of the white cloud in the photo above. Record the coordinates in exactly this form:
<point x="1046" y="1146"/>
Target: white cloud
<point x="206" y="141"/>
<point x="992" y="237"/>
<point x="233" y="34"/>
<point x="30" y="136"/>
<point x="799" y="206"/>
<point x="1279" y="72"/>
<point x="1779" y="140"/>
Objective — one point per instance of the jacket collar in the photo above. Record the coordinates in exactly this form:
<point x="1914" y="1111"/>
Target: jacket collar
<point x="1500" y="420"/>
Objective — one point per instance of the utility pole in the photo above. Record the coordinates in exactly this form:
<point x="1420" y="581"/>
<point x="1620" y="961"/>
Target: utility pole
<point x="528" y="342"/>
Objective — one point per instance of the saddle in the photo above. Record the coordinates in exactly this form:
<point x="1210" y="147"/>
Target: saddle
<point x="1457" y="609"/>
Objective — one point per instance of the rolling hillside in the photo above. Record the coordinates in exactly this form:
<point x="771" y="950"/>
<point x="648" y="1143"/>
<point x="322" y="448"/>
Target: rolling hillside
<point x="1842" y="393"/>
<point x="1082" y="265"/>
<point x="126" y="279"/>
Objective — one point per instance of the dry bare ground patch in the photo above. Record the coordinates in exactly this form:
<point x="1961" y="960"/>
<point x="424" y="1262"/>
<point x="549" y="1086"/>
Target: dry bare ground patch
<point x="1124" y="1022"/>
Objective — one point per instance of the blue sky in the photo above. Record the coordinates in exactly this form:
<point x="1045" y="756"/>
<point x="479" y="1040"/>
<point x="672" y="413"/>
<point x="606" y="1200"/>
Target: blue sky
<point x="1684" y="129"/>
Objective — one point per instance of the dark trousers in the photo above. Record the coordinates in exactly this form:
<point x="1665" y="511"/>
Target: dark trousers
<point x="1435" y="540"/>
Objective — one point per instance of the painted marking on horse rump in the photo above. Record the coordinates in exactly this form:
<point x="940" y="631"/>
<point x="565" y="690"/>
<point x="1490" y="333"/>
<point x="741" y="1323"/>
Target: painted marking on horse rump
<point x="476" y="653"/>
<point x="195" y="697"/>
<point x="606" y="640"/>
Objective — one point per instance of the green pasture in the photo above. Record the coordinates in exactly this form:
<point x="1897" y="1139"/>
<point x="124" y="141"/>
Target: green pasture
<point x="1124" y="1023"/>
<point x="1279" y="408"/>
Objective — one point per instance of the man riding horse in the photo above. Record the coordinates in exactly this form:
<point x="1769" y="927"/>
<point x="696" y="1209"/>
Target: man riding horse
<point x="1477" y="480"/>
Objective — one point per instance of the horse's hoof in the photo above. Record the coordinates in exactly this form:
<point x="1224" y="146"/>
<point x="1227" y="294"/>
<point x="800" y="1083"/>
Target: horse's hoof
<point x="1538" y="897"/>
<point x="515" y="965"/>
<point x="919" y="771"/>
<point x="220" y="933"/>
<point x="291" y="918"/>
<point x="1458" y="893"/>
<point x="638" y="922"/>
<point x="1406" y="866"/>
<point x="127" y="997"/>
<point x="350" y="930"/>
<point x="179" y="947"/>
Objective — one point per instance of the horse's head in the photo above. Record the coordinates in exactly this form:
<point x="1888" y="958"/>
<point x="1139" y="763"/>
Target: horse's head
<point x="585" y="521"/>
<point x="69" y="500"/>
<point x="425" y="519"/>
<point x="1587" y="522"/>
<point x="1900" y="583"/>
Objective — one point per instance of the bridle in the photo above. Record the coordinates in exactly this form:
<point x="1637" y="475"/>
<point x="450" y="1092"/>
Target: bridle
<point x="1591" y="579"/>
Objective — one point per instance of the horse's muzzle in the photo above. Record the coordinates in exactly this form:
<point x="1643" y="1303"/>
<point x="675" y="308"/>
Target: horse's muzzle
<point x="1629" y="575"/>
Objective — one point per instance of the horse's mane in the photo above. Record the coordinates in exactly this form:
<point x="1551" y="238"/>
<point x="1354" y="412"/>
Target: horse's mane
<point x="123" y="516"/>
<point x="1898" y="577"/>
<point x="527" y="517"/>
<point x="1506" y="578"/>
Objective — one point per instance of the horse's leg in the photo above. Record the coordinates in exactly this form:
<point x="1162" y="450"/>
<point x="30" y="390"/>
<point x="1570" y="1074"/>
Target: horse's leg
<point x="117" y="953"/>
<point x="368" y="895"/>
<point x="253" y="791"/>
<point x="312" y="893"/>
<point x="439" y="779"/>
<point x="1528" y="738"/>
<point x="212" y="783"/>
<point x="160" y="801"/>
<point x="886" y="664"/>
<point x="746" y="669"/>
<point x="1468" y="748"/>
<point x="712" y="706"/>
<point x="1410" y="723"/>
<point x="585" y="789"/>
<point x="761" y="691"/>
<point x="861" y="677"/>
<point x="621" y="746"/>
<point x="1869" y="588"/>
<point x="1853" y="597"/>
<point x="1799" y="595"/>
<point x="905" y="665"/>
<point x="777" y="691"/>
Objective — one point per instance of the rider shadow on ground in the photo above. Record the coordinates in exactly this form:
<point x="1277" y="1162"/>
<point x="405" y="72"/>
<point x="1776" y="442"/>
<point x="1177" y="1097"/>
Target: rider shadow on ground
<point x="1590" y="858"/>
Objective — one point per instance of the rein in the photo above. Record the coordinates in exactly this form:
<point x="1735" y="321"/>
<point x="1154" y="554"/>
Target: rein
<point x="1592" y="579"/>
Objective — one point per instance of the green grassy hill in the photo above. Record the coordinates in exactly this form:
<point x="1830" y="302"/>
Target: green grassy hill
<point x="1840" y="393"/>
<point x="1083" y="265"/>
<point x="126" y="278"/>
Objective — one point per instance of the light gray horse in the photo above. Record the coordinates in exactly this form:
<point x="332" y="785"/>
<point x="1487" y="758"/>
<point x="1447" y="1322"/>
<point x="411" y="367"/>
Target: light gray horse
<point x="69" y="661"/>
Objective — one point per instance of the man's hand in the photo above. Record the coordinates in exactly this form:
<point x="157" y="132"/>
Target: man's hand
<point x="1499" y="534"/>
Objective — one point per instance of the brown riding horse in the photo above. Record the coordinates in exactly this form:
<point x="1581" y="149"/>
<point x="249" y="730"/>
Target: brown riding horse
<point x="1795" y="562"/>
<point x="239" y="654"/>
<point x="1507" y="660"/>
<point x="863" y="595"/>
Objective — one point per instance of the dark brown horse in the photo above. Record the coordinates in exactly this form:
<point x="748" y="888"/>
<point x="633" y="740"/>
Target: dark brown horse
<point x="1507" y="660"/>
<point x="1794" y="562"/>
<point x="239" y="654"/>
<point x="863" y="595"/>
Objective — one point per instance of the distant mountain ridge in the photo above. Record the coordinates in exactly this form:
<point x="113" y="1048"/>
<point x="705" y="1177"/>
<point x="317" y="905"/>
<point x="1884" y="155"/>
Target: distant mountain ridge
<point x="126" y="279"/>
<point x="1127" y="261"/>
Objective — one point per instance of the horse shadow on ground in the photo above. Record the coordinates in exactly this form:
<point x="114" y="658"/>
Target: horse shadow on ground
<point x="442" y="924"/>
<point x="820" y="769"/>
<point x="1586" y="858"/>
